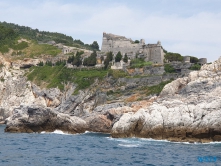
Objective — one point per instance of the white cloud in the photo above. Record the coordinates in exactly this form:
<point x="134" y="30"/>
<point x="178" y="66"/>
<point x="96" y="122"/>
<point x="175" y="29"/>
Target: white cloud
<point x="196" y="34"/>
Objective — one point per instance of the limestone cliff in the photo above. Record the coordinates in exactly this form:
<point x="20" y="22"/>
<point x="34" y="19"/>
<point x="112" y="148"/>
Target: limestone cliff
<point x="188" y="109"/>
<point x="15" y="90"/>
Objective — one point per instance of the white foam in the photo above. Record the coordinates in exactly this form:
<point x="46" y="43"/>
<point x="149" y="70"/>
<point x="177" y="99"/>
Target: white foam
<point x="59" y="132"/>
<point x="129" y="145"/>
<point x="55" y="132"/>
<point x="154" y="140"/>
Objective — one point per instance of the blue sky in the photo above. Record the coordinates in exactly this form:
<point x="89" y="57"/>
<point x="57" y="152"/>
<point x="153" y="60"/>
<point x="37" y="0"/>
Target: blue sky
<point x="189" y="27"/>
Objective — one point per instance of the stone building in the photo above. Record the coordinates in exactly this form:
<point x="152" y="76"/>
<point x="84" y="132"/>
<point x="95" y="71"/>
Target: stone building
<point x="202" y="61"/>
<point x="115" y="43"/>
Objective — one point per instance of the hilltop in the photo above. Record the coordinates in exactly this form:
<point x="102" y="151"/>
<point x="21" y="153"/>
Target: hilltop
<point x="45" y="36"/>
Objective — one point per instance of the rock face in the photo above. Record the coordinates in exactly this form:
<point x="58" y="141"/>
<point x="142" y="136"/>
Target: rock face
<point x="16" y="90"/>
<point x="38" y="119"/>
<point x="188" y="109"/>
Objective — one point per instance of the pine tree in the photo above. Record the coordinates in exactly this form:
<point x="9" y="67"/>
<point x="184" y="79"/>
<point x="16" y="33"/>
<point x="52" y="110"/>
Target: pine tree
<point x="118" y="57"/>
<point x="125" y="58"/>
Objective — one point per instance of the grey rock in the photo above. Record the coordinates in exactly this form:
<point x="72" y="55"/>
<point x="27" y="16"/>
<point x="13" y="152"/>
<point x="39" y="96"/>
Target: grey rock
<point x="188" y="109"/>
<point x="38" y="119"/>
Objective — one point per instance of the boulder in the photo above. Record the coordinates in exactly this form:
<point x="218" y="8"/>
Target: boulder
<point x="38" y="119"/>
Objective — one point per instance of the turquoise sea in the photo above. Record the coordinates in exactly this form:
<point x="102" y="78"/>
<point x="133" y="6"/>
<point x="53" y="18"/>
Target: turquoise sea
<point x="95" y="149"/>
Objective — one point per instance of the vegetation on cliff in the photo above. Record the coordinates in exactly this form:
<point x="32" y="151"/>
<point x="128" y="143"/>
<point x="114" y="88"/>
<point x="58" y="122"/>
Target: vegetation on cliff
<point x="139" y="63"/>
<point x="169" y="68"/>
<point x="156" y="89"/>
<point x="36" y="49"/>
<point x="7" y="38"/>
<point x="91" y="60"/>
<point x="44" y="36"/>
<point x="57" y="76"/>
<point x="170" y="56"/>
<point x="195" y="67"/>
<point x="10" y="39"/>
<point x="118" y="57"/>
<point x="108" y="59"/>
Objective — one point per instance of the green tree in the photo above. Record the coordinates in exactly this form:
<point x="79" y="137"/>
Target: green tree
<point x="109" y="58"/>
<point x="102" y="58"/>
<point x="170" y="56"/>
<point x="118" y="57"/>
<point x="92" y="59"/>
<point x="70" y="59"/>
<point x="41" y="63"/>
<point x="136" y="41"/>
<point x="48" y="63"/>
<point x="95" y="45"/>
<point x="85" y="62"/>
<point x="194" y="59"/>
<point x="77" y="60"/>
<point x="125" y="59"/>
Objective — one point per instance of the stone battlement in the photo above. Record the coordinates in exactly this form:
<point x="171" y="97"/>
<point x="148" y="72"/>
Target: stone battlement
<point x="111" y="36"/>
<point x="116" y="43"/>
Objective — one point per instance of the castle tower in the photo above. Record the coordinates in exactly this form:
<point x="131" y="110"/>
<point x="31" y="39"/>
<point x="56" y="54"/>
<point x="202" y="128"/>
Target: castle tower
<point x="186" y="59"/>
<point x="142" y="41"/>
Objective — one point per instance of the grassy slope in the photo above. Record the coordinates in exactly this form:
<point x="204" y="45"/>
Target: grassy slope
<point x="36" y="49"/>
<point x="47" y="76"/>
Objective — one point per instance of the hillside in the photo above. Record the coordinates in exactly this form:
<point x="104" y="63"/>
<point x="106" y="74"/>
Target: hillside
<point x="14" y="30"/>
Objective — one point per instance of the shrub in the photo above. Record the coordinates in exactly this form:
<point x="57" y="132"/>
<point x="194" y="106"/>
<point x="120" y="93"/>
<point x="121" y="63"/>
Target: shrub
<point x="41" y="63"/>
<point x="194" y="59"/>
<point x="20" y="46"/>
<point x="4" y="49"/>
<point x="117" y="73"/>
<point x="195" y="67"/>
<point x="156" y="89"/>
<point x="173" y="57"/>
<point x="169" y="69"/>
<point x="139" y="63"/>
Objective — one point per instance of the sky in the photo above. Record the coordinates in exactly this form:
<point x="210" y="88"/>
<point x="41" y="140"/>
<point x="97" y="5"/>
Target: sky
<point x="188" y="27"/>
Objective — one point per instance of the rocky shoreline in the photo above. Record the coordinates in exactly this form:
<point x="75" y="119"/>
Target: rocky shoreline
<point x="187" y="110"/>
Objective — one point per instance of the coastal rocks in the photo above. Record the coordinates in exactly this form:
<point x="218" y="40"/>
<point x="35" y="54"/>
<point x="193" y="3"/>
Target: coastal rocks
<point x="47" y="97"/>
<point x="188" y="109"/>
<point x="16" y="90"/>
<point x="99" y="123"/>
<point x="38" y="119"/>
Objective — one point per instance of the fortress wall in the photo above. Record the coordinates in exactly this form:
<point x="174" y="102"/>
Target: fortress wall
<point x="122" y="45"/>
<point x="154" y="53"/>
<point x="115" y="43"/>
<point x="106" y="45"/>
<point x="125" y="46"/>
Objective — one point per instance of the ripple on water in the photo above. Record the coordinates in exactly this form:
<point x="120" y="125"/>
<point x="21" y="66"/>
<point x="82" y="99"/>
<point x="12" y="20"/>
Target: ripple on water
<point x="59" y="148"/>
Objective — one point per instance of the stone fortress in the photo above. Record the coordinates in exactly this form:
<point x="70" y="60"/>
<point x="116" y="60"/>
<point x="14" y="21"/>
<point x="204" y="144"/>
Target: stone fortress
<point x="115" y="43"/>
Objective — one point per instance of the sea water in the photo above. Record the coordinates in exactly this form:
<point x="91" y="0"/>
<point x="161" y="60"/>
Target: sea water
<point x="97" y="149"/>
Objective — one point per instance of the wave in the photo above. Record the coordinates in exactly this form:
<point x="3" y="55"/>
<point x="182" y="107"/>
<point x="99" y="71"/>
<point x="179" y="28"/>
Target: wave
<point x="129" y="145"/>
<point x="155" y="141"/>
<point x="56" y="132"/>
